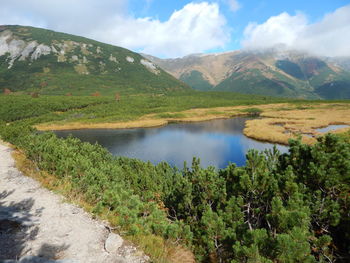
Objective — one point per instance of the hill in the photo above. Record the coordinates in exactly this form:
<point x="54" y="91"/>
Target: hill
<point x="40" y="60"/>
<point x="273" y="73"/>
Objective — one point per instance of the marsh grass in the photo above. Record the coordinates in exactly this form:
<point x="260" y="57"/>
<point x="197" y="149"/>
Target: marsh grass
<point x="252" y="111"/>
<point x="297" y="122"/>
<point x="171" y="115"/>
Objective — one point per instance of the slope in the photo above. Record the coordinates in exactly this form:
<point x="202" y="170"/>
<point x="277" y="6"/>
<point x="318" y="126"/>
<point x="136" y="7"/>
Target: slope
<point x="40" y="60"/>
<point x="274" y="73"/>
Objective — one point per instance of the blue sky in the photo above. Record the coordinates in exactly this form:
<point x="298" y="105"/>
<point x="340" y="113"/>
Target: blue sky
<point x="249" y="11"/>
<point x="178" y="28"/>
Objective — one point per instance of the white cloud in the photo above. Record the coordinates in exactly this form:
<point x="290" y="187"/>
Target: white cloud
<point x="234" y="5"/>
<point x="195" y="28"/>
<point x="74" y="16"/>
<point x="328" y="37"/>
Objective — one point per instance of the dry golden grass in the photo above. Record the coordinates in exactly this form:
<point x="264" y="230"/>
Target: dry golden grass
<point x="280" y="125"/>
<point x="141" y="123"/>
<point x="153" y="120"/>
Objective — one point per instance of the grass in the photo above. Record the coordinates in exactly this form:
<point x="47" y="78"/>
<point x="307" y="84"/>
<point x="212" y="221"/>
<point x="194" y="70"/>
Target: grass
<point x="252" y="111"/>
<point x="171" y="115"/>
<point x="297" y="121"/>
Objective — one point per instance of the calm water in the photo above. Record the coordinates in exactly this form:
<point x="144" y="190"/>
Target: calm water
<point x="215" y="142"/>
<point x="331" y="128"/>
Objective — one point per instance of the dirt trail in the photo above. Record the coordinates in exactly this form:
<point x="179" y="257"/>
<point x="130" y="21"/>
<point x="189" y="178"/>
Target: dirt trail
<point x="38" y="225"/>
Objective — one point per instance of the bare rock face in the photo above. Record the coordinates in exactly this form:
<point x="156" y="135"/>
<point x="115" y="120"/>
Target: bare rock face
<point x="150" y="66"/>
<point x="41" y="50"/>
<point x="17" y="48"/>
<point x="113" y="243"/>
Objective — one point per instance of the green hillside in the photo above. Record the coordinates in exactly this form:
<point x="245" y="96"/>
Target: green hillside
<point x="33" y="59"/>
<point x="196" y="80"/>
<point x="300" y="78"/>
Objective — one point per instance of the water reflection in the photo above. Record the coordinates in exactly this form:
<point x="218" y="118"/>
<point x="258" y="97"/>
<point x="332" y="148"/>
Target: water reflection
<point x="216" y="142"/>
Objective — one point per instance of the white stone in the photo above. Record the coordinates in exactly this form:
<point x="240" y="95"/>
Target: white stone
<point x="113" y="243"/>
<point x="4" y="38"/>
<point x="54" y="50"/>
<point x="41" y="50"/>
<point x="27" y="50"/>
<point x="112" y="58"/>
<point x="130" y="59"/>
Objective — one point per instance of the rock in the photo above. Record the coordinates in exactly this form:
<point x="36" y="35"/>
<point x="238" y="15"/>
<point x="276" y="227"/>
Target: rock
<point x="34" y="259"/>
<point x="113" y="243"/>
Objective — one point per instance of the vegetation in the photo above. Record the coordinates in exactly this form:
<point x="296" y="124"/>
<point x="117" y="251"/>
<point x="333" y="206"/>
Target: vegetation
<point x="265" y="73"/>
<point x="289" y="207"/>
<point x="196" y="80"/>
<point x="66" y="109"/>
<point x="252" y="111"/>
<point x="20" y="107"/>
<point x="254" y="81"/>
<point x="79" y="66"/>
<point x="290" y="68"/>
<point x="281" y="124"/>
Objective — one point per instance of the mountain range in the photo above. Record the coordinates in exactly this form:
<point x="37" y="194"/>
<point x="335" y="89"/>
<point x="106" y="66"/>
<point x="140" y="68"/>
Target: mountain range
<point x="48" y="62"/>
<point x="273" y="72"/>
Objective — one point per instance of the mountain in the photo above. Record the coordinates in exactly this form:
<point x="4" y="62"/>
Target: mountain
<point x="273" y="72"/>
<point x="48" y="62"/>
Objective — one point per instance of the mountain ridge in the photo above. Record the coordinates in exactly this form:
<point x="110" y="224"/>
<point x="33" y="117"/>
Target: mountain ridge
<point x="273" y="72"/>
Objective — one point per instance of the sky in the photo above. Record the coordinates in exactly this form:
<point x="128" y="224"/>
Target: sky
<point x="166" y="28"/>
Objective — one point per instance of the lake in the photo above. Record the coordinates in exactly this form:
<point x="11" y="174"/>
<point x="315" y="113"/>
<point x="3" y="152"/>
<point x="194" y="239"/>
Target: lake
<point x="216" y="143"/>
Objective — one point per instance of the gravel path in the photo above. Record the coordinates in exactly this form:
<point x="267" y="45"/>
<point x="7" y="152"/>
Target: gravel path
<point x="36" y="225"/>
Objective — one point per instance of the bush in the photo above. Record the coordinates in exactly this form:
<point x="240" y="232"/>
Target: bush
<point x="278" y="208"/>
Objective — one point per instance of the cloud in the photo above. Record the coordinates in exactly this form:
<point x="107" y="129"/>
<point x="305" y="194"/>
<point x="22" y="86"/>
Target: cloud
<point x="234" y="5"/>
<point x="74" y="16"/>
<point x="328" y="37"/>
<point x="194" y="28"/>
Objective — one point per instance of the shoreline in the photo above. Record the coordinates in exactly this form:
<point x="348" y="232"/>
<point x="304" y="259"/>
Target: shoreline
<point x="274" y="126"/>
<point x="152" y="121"/>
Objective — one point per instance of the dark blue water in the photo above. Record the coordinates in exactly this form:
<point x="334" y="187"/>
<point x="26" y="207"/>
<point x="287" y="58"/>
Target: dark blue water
<point x="216" y="142"/>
